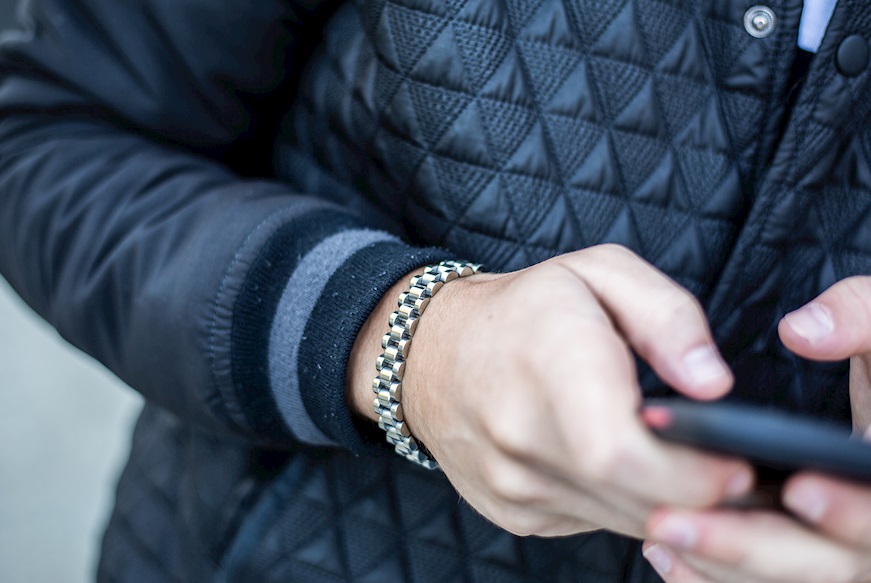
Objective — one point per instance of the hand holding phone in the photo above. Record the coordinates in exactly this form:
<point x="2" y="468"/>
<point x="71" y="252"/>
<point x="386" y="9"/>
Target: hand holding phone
<point x="771" y="440"/>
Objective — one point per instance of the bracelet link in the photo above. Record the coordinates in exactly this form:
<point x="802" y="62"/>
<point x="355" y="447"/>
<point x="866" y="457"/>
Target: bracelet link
<point x="387" y="386"/>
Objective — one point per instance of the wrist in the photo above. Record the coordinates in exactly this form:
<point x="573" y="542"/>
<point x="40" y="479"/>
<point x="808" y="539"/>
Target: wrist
<point x="398" y="314"/>
<point x="367" y="348"/>
<point x="397" y="343"/>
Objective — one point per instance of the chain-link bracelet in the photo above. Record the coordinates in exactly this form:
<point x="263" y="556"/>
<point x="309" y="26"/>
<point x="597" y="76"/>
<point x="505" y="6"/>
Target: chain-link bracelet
<point x="396" y="343"/>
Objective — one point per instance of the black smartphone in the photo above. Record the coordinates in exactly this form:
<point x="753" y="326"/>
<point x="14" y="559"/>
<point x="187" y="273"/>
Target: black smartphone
<point x="774" y="441"/>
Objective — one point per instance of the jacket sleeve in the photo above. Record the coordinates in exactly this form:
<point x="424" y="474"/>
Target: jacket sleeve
<point x="132" y="136"/>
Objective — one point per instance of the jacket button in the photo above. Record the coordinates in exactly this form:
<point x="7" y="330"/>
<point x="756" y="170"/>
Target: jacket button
<point x="852" y="56"/>
<point x="759" y="21"/>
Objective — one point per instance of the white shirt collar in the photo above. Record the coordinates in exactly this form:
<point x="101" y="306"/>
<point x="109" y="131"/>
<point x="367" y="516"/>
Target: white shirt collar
<point x="814" y="20"/>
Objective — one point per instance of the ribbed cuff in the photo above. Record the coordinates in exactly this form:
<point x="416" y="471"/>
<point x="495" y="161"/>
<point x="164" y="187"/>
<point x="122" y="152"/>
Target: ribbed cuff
<point x="304" y="300"/>
<point x="349" y="295"/>
<point x="295" y="309"/>
<point x="255" y="311"/>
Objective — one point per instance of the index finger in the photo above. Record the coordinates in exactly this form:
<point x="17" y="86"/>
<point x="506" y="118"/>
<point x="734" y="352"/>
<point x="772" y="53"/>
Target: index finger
<point x="663" y="322"/>
<point x="597" y="418"/>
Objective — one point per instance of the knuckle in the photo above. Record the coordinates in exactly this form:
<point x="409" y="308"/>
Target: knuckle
<point x="510" y="435"/>
<point x="616" y="251"/>
<point x="675" y="309"/>
<point x="605" y="462"/>
<point x="597" y="464"/>
<point x="510" y="483"/>
<point x="516" y="445"/>
<point x="605" y="255"/>
<point x="676" y="305"/>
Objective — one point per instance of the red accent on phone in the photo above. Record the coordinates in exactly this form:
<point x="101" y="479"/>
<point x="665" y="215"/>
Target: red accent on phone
<point x="657" y="417"/>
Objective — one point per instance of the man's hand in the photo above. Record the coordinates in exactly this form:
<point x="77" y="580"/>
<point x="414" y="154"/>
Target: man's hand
<point x="830" y="544"/>
<point x="832" y="540"/>
<point x="834" y="326"/>
<point x="728" y="546"/>
<point x="523" y="387"/>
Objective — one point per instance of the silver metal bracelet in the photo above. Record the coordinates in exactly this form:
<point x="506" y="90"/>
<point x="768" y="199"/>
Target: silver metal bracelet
<point x="396" y="343"/>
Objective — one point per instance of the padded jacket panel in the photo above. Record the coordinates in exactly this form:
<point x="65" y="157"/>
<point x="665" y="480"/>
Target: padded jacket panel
<point x="169" y="168"/>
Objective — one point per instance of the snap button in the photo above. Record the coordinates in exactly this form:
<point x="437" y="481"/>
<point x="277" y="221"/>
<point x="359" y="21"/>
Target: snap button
<point x="852" y="56"/>
<point x="759" y="21"/>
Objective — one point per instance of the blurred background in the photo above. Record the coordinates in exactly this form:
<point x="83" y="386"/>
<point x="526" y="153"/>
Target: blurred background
<point x="65" y="425"/>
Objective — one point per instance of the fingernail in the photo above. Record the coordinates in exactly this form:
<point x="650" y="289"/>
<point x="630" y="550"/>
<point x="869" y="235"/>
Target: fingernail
<point x="661" y="559"/>
<point x="704" y="366"/>
<point x="812" y="322"/>
<point x="739" y="484"/>
<point x="676" y="532"/>
<point x="806" y="500"/>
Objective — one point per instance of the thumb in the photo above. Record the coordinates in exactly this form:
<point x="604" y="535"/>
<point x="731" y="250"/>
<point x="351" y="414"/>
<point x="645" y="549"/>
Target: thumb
<point x="834" y="326"/>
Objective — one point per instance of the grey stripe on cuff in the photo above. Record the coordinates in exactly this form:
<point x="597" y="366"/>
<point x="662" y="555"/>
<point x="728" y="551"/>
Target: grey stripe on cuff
<point x="294" y="310"/>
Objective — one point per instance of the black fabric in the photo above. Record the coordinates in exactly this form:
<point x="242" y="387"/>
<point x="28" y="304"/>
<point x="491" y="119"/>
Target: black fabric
<point x="113" y="239"/>
<point x="121" y="223"/>
<point x="504" y="131"/>
<point x="257" y="303"/>
<point x="330" y="336"/>
<point x="344" y="511"/>
<point x="801" y="64"/>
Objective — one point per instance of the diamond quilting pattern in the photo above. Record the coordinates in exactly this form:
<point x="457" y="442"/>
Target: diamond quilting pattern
<point x="512" y="131"/>
<point x="482" y="50"/>
<point x="333" y="517"/>
<point x="570" y="99"/>
<point x="436" y="109"/>
<point x="516" y="130"/>
<point x="591" y="19"/>
<point x="505" y="126"/>
<point x="546" y="67"/>
<point x="412" y="32"/>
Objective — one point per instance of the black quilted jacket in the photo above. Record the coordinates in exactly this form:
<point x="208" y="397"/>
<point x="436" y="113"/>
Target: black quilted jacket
<point x="189" y="187"/>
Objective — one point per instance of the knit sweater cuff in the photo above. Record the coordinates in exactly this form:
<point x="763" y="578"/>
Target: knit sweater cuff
<point x="306" y="296"/>
<point x="350" y="294"/>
